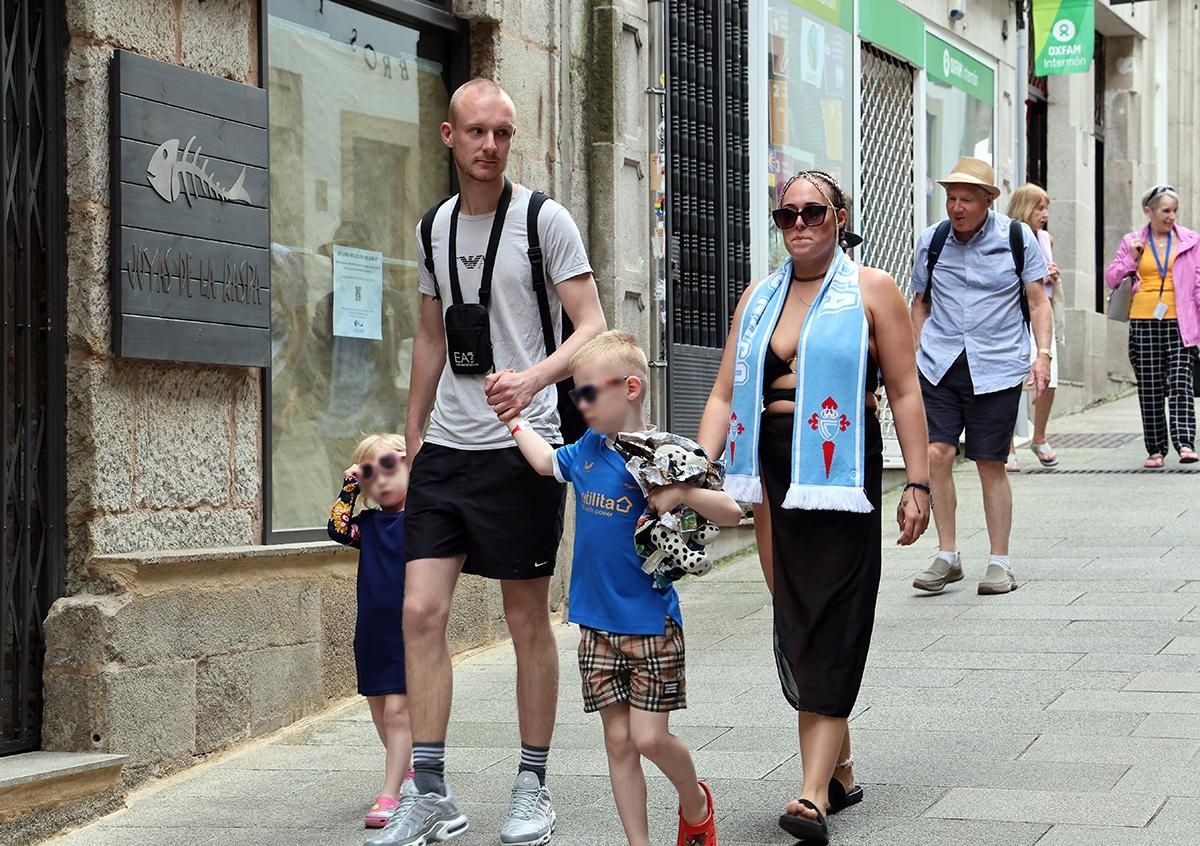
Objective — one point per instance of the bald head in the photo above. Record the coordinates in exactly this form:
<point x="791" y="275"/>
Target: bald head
<point x="474" y="94"/>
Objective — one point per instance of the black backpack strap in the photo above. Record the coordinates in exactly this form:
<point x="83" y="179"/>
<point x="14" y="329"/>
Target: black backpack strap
<point x="538" y="269"/>
<point x="427" y="243"/>
<point x="935" y="251"/>
<point x="1016" y="243"/>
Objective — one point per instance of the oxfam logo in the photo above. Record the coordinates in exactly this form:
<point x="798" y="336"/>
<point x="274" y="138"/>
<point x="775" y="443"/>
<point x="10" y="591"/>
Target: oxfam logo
<point x="1064" y="31"/>
<point x="946" y="63"/>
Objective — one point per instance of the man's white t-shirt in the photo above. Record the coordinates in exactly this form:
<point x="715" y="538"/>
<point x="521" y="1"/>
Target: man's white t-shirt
<point x="462" y="418"/>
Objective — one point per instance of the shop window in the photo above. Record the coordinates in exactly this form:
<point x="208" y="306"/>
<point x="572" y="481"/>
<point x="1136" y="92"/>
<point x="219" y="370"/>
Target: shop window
<point x="811" y="80"/>
<point x="960" y="96"/>
<point x="355" y="105"/>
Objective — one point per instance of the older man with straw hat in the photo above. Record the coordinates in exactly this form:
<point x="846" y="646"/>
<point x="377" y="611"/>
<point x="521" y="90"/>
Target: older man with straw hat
<point x="978" y="289"/>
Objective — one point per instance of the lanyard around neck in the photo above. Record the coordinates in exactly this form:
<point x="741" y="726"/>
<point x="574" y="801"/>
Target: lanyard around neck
<point x="1164" y="265"/>
<point x="489" y="259"/>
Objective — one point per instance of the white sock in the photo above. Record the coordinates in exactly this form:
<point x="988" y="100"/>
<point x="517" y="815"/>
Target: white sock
<point x="948" y="557"/>
<point x="1002" y="560"/>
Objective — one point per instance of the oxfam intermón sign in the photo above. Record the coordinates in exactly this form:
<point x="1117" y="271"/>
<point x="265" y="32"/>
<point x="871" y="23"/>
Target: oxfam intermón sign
<point x="1064" y="36"/>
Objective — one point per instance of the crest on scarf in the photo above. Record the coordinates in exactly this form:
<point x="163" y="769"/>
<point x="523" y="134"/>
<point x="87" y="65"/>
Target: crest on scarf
<point x="828" y="422"/>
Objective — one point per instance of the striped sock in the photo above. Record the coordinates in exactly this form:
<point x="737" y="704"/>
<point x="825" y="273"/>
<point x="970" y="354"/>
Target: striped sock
<point x="429" y="767"/>
<point x="533" y="760"/>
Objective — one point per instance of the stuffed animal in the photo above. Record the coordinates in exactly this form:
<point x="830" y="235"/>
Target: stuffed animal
<point x="676" y="544"/>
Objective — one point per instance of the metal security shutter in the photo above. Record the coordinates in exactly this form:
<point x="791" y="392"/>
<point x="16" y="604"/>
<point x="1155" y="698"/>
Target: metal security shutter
<point x="887" y="207"/>
<point x="32" y="341"/>
<point x="708" y="193"/>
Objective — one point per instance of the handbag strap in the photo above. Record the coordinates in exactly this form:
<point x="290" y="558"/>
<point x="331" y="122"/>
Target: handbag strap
<point x="489" y="258"/>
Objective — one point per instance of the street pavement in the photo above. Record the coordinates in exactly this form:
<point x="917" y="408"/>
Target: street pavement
<point x="1064" y="714"/>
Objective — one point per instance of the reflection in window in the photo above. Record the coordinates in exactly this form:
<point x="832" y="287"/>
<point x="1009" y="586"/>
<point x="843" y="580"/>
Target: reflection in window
<point x="958" y="125"/>
<point x="355" y="105"/>
<point x="811" y="85"/>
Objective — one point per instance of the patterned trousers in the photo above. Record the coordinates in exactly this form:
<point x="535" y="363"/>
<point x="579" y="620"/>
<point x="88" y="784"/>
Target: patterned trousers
<point x="1163" y="366"/>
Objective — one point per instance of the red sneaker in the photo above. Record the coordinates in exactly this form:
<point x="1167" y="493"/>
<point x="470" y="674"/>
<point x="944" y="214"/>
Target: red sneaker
<point x="703" y="834"/>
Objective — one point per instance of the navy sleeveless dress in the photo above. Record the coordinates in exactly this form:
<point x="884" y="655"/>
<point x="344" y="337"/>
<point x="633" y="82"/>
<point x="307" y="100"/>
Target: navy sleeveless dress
<point x="378" y="633"/>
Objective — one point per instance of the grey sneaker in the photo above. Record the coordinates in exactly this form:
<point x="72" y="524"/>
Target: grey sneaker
<point x="997" y="580"/>
<point x="422" y="818"/>
<point x="531" y="817"/>
<point x="939" y="574"/>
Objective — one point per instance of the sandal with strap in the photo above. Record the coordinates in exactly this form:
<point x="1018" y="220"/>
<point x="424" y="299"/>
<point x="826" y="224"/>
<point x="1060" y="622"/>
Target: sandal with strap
<point x="1012" y="465"/>
<point x="1187" y="455"/>
<point x="1153" y="462"/>
<point x="804" y="829"/>
<point x="1044" y="454"/>
<point x="839" y="798"/>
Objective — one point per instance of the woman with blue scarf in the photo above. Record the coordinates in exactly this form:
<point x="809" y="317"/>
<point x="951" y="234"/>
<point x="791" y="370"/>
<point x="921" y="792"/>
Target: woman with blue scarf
<point x="795" y="413"/>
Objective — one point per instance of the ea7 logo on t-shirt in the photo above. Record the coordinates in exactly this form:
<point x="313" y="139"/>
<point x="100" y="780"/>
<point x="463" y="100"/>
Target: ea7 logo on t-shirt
<point x="470" y="262"/>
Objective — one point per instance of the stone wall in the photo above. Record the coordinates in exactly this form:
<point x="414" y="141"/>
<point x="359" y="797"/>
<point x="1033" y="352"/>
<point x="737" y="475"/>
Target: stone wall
<point x="160" y="456"/>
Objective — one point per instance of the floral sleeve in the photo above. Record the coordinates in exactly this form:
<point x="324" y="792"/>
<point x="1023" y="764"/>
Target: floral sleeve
<point x="343" y="525"/>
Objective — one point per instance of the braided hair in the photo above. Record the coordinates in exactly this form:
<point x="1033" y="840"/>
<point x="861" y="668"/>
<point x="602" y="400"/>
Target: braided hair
<point x="835" y="196"/>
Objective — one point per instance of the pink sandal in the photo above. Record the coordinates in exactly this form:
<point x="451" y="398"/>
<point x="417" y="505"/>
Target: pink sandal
<point x="1154" y="462"/>
<point x="381" y="812"/>
<point x="1187" y="455"/>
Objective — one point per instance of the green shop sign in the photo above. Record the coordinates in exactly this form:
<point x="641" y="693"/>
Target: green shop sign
<point x="1064" y="34"/>
<point x="952" y="66"/>
<point x="893" y="27"/>
<point x="840" y="13"/>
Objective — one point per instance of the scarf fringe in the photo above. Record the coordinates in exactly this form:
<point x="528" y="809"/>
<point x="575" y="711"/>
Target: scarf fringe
<point x="744" y="488"/>
<point x="827" y="498"/>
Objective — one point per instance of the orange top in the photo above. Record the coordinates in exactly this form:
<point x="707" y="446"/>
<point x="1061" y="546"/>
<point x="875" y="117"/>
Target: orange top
<point x="1147" y="298"/>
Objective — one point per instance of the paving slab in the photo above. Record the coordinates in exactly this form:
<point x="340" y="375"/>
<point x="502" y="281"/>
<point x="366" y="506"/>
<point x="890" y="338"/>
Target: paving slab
<point x="1114" y="808"/>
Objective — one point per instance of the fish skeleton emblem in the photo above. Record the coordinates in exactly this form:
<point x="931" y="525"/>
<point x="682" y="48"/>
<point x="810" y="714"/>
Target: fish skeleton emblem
<point x="172" y="173"/>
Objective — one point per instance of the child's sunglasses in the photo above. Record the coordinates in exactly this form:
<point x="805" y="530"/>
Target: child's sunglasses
<point x="812" y="215"/>
<point x="588" y="393"/>
<point x="387" y="464"/>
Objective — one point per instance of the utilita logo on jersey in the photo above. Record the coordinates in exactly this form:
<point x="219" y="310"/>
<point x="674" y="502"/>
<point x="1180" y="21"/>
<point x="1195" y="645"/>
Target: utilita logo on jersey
<point x="470" y="262"/>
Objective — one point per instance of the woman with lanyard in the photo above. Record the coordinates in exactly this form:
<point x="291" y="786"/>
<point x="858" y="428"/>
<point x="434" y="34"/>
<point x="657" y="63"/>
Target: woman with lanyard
<point x="793" y="410"/>
<point x="1164" y="322"/>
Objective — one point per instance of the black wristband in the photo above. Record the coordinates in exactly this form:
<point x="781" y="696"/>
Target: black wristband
<point x="921" y="486"/>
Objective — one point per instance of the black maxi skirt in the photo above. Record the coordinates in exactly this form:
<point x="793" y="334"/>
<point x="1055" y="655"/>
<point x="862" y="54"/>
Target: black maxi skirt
<point x="826" y="579"/>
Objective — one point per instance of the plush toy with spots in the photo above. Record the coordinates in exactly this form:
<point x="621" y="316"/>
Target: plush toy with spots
<point x="676" y="544"/>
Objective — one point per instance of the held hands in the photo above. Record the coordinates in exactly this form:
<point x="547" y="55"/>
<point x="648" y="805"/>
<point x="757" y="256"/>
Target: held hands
<point x="509" y="392"/>
<point x="667" y="498"/>
<point x="912" y="515"/>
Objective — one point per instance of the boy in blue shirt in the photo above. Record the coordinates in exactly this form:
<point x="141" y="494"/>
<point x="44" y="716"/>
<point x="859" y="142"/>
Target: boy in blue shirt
<point x="631" y="651"/>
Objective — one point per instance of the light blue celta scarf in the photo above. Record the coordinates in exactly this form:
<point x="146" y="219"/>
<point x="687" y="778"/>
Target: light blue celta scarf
<point x="831" y="370"/>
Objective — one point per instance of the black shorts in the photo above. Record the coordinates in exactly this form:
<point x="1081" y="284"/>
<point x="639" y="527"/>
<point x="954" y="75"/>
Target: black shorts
<point x="952" y="406"/>
<point x="489" y="505"/>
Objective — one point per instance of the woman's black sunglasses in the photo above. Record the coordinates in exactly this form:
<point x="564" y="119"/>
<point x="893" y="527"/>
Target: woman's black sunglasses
<point x="387" y="464"/>
<point x="812" y="215"/>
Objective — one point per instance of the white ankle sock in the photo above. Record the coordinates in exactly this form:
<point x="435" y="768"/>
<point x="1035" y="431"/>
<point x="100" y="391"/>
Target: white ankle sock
<point x="1002" y="560"/>
<point x="948" y="557"/>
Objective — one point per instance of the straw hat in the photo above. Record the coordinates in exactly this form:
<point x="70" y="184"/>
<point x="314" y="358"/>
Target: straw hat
<point x="972" y="171"/>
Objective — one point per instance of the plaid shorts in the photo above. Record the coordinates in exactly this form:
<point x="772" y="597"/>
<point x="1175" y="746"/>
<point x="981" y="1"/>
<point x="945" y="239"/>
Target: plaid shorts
<point x="645" y="671"/>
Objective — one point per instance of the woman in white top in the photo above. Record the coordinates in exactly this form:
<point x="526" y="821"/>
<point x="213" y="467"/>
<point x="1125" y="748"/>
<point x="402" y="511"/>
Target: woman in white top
<point x="1031" y="204"/>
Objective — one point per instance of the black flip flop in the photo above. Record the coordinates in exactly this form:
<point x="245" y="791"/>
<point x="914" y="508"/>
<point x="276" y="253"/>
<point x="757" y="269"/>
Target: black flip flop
<point x="806" y="830"/>
<point x="839" y="799"/>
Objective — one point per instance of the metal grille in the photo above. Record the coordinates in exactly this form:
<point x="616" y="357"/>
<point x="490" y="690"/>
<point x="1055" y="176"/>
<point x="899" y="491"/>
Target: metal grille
<point x="1095" y="440"/>
<point x="32" y="339"/>
<point x="1126" y="471"/>
<point x="708" y="191"/>
<point x="887" y="207"/>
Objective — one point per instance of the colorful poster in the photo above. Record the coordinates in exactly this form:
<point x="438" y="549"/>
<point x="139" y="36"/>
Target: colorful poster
<point x="1064" y="36"/>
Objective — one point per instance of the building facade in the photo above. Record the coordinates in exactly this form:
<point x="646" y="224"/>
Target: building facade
<point x="166" y="557"/>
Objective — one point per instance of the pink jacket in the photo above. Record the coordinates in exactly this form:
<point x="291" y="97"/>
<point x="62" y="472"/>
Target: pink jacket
<point x="1185" y="273"/>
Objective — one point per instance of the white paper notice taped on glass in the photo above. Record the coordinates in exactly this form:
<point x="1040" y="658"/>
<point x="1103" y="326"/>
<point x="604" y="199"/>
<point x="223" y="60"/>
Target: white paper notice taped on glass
<point x="357" y="293"/>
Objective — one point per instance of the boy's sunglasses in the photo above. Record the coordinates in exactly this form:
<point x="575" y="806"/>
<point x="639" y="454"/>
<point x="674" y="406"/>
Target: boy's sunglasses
<point x="588" y="393"/>
<point x="386" y="464"/>
<point x="812" y="215"/>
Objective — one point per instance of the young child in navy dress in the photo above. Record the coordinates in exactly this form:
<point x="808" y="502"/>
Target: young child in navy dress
<point x="379" y="472"/>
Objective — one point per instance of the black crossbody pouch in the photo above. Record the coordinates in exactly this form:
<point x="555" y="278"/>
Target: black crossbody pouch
<point x="468" y="325"/>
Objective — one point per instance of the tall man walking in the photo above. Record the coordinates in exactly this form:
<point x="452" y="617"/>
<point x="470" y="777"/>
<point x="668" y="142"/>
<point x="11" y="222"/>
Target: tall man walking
<point x="978" y="294"/>
<point x="474" y="505"/>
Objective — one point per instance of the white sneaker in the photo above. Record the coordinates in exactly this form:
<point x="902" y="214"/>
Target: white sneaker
<point x="531" y="817"/>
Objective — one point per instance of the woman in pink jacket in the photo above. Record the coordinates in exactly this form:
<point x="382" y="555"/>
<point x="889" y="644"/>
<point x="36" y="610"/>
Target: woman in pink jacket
<point x="1164" y="322"/>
